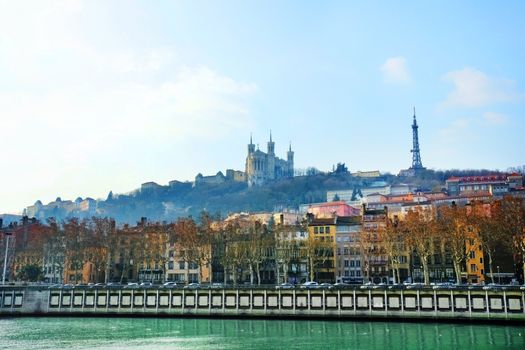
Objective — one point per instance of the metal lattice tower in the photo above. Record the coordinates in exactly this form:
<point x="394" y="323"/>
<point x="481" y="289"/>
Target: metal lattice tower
<point x="416" y="156"/>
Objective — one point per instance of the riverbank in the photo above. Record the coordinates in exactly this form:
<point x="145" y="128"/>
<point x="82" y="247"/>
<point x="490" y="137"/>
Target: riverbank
<point x="415" y="305"/>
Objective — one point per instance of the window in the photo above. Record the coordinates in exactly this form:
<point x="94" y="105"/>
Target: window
<point x="170" y="265"/>
<point x="345" y="251"/>
<point x="346" y="263"/>
<point x="358" y="273"/>
<point x="338" y="251"/>
<point x="472" y="254"/>
<point x="193" y="265"/>
<point x="327" y="229"/>
<point x="352" y="263"/>
<point x="358" y="263"/>
<point x="181" y="265"/>
<point x="316" y="229"/>
<point x="481" y="260"/>
<point x="473" y="267"/>
<point x="346" y="273"/>
<point x="321" y="229"/>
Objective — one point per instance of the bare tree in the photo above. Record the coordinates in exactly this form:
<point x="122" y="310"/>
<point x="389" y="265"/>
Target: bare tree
<point x="420" y="233"/>
<point x="188" y="242"/>
<point x="393" y="244"/>
<point x="455" y="231"/>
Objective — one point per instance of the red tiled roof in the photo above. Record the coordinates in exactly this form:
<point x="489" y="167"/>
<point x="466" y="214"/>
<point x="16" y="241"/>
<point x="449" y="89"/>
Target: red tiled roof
<point x="484" y="178"/>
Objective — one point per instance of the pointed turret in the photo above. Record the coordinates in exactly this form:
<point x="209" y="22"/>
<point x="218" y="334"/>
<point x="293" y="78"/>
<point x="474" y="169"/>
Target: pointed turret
<point x="251" y="146"/>
<point x="289" y="156"/>
<point x="271" y="146"/>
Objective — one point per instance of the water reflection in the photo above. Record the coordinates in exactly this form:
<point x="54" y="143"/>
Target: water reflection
<point x="79" y="333"/>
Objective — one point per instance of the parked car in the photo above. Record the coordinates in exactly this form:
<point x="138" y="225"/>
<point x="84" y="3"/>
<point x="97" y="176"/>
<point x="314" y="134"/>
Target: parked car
<point x="381" y="285"/>
<point x="494" y="286"/>
<point x="113" y="285"/>
<point x="285" y="285"/>
<point x="217" y="285"/>
<point x="170" y="285"/>
<point x="310" y="285"/>
<point x="415" y="285"/>
<point x="341" y="285"/>
<point x="55" y="286"/>
<point x="476" y="286"/>
<point x="131" y="285"/>
<point x="396" y="286"/>
<point x="326" y="285"/>
<point x="193" y="286"/>
<point x="146" y="285"/>
<point x="367" y="285"/>
<point x="444" y="285"/>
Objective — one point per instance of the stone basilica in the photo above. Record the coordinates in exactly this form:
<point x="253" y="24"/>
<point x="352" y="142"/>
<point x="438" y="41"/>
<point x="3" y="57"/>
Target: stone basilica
<point x="263" y="167"/>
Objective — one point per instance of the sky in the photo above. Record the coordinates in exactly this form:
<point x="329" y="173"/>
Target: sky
<point x="99" y="96"/>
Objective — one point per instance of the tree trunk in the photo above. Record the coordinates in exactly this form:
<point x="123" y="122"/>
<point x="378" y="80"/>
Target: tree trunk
<point x="457" y="269"/>
<point x="108" y="266"/>
<point x="311" y="269"/>
<point x="258" y="275"/>
<point x="251" y="273"/>
<point x="425" y="271"/>
<point x="286" y="272"/>
<point x="278" y="274"/>
<point x="490" y="266"/>
<point x="235" y="276"/>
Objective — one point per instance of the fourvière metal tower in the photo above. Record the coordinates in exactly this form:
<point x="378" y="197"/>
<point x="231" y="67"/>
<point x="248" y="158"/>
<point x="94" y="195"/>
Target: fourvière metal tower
<point x="416" y="156"/>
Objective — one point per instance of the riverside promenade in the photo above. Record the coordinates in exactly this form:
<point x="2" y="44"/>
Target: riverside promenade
<point x="352" y="303"/>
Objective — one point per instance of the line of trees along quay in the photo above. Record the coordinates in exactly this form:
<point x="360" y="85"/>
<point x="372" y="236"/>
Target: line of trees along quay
<point x="454" y="234"/>
<point x="245" y="250"/>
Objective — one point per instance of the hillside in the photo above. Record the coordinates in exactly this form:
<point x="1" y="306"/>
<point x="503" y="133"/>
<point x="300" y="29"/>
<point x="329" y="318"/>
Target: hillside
<point x="166" y="203"/>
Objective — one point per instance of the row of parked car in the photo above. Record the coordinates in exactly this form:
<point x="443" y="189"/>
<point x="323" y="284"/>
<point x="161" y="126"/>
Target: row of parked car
<point x="414" y="285"/>
<point x="306" y="285"/>
<point x="134" y="285"/>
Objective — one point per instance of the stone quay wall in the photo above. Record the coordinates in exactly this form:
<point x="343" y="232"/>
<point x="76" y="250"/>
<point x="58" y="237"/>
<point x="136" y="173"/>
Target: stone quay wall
<point x="424" y="304"/>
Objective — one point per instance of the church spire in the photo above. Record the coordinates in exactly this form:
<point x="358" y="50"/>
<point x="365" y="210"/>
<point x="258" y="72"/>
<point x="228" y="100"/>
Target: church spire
<point x="271" y="145"/>
<point x="251" y="146"/>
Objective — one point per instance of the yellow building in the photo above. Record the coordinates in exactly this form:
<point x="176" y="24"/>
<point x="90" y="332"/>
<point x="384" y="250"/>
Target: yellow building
<point x="475" y="263"/>
<point x="320" y="249"/>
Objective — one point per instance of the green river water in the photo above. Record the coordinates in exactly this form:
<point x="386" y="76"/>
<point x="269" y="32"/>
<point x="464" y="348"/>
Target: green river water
<point x="163" y="333"/>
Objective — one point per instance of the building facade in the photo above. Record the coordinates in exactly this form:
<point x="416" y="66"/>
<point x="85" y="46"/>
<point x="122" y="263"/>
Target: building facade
<point x="263" y="167"/>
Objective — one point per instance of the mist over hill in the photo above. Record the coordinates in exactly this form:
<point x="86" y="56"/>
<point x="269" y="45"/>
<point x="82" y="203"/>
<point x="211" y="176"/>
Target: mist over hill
<point x="166" y="203"/>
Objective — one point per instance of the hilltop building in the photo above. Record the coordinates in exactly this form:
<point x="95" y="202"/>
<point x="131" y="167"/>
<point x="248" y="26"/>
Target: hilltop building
<point x="260" y="168"/>
<point x="496" y="184"/>
<point x="263" y="167"/>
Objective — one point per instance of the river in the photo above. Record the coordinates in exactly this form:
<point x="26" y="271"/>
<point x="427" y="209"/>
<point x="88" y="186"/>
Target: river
<point x="163" y="333"/>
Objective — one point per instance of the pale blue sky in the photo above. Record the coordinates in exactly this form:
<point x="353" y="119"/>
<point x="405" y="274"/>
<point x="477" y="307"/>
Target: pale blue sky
<point x="104" y="95"/>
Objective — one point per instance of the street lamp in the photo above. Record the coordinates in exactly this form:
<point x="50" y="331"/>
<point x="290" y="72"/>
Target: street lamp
<point x="499" y="276"/>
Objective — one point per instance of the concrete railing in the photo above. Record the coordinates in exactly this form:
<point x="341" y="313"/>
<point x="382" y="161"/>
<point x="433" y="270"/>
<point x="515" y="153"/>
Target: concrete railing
<point x="402" y="304"/>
